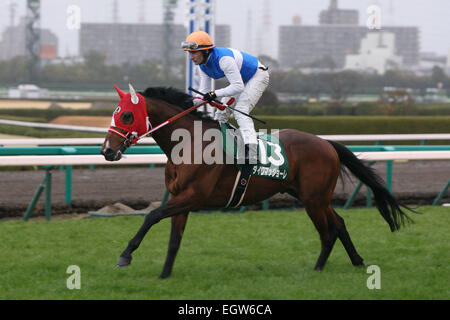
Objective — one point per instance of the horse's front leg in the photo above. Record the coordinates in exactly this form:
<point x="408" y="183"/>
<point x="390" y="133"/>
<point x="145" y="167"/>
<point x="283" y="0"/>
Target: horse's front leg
<point x="178" y="225"/>
<point x="182" y="204"/>
<point x="150" y="219"/>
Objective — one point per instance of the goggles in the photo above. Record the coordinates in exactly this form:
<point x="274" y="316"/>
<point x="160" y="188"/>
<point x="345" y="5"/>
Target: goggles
<point x="190" y="45"/>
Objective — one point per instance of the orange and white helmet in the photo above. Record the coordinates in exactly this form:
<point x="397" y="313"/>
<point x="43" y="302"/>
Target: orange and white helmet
<point x="196" y="41"/>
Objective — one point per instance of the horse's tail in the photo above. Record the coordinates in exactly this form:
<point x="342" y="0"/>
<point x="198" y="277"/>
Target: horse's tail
<point x="385" y="201"/>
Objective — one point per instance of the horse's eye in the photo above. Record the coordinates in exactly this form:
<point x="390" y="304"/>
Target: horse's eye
<point x="127" y="118"/>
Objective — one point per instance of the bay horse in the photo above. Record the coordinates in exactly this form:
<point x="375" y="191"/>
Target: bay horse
<point x="314" y="167"/>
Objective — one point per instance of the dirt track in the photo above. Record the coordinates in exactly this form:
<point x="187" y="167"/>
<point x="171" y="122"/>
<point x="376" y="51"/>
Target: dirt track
<point x="40" y="104"/>
<point x="415" y="182"/>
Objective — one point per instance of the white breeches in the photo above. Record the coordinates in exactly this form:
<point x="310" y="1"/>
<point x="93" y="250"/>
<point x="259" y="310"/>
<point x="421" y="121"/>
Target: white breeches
<point x="245" y="102"/>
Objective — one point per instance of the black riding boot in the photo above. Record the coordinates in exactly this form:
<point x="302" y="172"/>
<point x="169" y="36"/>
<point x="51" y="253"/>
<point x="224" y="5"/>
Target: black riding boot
<point x="250" y="154"/>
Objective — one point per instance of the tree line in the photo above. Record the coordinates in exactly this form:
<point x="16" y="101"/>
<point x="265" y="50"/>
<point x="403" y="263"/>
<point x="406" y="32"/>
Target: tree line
<point x="93" y="73"/>
<point x="341" y="83"/>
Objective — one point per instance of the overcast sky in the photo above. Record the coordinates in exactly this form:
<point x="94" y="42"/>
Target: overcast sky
<point x="431" y="16"/>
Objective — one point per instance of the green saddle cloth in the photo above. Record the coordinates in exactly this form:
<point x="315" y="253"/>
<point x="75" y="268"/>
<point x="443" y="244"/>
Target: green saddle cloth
<point x="272" y="161"/>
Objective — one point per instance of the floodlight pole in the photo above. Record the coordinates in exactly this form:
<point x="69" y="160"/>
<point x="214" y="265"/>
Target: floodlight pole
<point x="200" y="17"/>
<point x="33" y="39"/>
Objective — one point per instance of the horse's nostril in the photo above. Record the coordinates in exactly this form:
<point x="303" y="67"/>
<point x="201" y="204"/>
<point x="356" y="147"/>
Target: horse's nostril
<point x="109" y="154"/>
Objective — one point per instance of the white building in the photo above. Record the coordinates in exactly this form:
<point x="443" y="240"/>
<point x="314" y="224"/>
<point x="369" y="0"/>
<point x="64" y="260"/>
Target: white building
<point x="377" y="53"/>
<point x="27" y="91"/>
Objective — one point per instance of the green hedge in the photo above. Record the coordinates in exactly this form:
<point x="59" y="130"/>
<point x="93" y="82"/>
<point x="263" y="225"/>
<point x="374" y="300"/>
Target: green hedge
<point x="359" y="124"/>
<point x="47" y="133"/>
<point x="360" y="109"/>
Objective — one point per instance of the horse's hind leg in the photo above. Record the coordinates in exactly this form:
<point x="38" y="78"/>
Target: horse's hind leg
<point x="326" y="228"/>
<point x="345" y="239"/>
<point x="178" y="225"/>
<point x="330" y="227"/>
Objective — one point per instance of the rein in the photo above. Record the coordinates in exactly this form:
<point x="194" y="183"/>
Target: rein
<point x="131" y="136"/>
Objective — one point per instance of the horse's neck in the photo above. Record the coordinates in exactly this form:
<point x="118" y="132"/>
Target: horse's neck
<point x="160" y="111"/>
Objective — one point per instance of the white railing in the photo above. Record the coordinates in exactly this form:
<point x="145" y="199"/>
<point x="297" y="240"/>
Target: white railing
<point x="387" y="137"/>
<point x="53" y="126"/>
<point x="59" y="141"/>
<point x="403" y="155"/>
<point x="162" y="158"/>
<point x="99" y="141"/>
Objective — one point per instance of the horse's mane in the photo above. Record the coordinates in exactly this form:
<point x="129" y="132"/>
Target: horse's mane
<point x="175" y="97"/>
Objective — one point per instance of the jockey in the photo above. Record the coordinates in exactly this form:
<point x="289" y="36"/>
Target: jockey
<point x="247" y="78"/>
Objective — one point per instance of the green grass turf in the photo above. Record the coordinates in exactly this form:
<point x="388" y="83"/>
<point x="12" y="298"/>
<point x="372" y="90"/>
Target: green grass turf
<point x="255" y="255"/>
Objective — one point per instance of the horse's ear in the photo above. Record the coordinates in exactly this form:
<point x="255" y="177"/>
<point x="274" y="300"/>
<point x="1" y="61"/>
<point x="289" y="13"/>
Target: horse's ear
<point x="134" y="97"/>
<point x="120" y="92"/>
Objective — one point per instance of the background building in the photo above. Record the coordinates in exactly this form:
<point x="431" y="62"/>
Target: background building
<point x="135" y="43"/>
<point x="13" y="43"/>
<point x="338" y="16"/>
<point x="377" y="53"/>
<point x="338" y="35"/>
<point x="303" y="45"/>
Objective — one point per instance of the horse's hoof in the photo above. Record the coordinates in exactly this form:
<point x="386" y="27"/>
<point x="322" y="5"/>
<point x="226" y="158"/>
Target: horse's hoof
<point x="123" y="262"/>
<point x="318" y="268"/>
<point x="164" y="275"/>
<point x="358" y="262"/>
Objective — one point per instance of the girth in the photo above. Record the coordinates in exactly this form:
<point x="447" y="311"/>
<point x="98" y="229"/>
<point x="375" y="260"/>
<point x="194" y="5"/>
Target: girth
<point x="240" y="186"/>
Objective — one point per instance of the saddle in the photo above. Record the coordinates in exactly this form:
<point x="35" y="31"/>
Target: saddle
<point x="272" y="161"/>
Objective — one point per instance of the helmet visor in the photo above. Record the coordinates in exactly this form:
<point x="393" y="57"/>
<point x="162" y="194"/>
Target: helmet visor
<point x="193" y="46"/>
<point x="189" y="45"/>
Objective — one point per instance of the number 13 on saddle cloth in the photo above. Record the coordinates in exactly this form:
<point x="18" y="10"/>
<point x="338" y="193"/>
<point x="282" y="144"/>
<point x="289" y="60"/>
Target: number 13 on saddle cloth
<point x="272" y="160"/>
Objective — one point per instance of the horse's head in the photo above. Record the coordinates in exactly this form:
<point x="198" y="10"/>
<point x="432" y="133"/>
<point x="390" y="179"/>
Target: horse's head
<point x="128" y="123"/>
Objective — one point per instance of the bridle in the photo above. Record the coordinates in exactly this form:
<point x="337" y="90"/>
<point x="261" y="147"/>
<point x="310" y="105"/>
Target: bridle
<point x="129" y="137"/>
